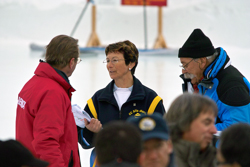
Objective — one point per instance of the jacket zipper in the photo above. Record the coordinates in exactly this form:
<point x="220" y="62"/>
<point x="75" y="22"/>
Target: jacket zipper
<point x="120" y="114"/>
<point x="120" y="111"/>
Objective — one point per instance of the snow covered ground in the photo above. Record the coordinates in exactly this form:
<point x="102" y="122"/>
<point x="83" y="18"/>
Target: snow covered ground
<point x="225" y="22"/>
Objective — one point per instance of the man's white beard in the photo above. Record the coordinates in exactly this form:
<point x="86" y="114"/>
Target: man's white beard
<point x="189" y="76"/>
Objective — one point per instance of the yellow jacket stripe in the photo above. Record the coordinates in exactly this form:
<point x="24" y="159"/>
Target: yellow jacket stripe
<point x="153" y="105"/>
<point x="151" y="110"/>
<point x="92" y="108"/>
<point x="94" y="165"/>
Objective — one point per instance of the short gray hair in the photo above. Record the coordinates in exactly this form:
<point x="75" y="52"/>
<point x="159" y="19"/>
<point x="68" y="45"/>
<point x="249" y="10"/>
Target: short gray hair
<point x="212" y="57"/>
<point x="184" y="110"/>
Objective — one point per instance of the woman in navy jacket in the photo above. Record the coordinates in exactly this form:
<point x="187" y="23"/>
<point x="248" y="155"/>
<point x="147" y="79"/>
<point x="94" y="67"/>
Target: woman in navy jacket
<point x="124" y="96"/>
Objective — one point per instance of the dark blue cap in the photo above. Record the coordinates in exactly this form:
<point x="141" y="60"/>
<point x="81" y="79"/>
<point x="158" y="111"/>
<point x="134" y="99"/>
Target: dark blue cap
<point x="152" y="126"/>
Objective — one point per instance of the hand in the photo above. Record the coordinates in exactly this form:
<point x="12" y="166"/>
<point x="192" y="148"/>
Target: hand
<point x="94" y="125"/>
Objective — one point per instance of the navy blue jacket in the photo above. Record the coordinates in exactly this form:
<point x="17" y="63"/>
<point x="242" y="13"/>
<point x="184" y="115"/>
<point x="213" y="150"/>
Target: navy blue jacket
<point x="104" y="102"/>
<point x="228" y="88"/>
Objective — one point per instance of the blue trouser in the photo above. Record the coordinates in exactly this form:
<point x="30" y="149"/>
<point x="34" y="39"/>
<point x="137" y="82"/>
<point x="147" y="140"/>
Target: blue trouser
<point x="93" y="158"/>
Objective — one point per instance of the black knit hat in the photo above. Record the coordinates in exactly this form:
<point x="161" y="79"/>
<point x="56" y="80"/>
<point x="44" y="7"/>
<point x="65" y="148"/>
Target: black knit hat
<point x="197" y="45"/>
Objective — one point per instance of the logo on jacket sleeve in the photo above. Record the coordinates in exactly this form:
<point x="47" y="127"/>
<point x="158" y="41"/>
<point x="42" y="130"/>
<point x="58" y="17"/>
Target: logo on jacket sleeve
<point x="21" y="102"/>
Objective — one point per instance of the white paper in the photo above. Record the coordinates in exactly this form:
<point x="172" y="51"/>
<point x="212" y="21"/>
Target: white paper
<point x="79" y="115"/>
<point x="218" y="133"/>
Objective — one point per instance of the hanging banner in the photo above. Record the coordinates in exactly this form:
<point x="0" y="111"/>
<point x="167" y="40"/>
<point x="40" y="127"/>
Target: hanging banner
<point x="147" y="2"/>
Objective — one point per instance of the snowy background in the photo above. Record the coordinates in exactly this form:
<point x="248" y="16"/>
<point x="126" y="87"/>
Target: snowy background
<point x="225" y="22"/>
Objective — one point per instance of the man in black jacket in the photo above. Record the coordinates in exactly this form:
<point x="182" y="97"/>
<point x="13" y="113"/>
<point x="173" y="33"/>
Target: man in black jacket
<point x="208" y="71"/>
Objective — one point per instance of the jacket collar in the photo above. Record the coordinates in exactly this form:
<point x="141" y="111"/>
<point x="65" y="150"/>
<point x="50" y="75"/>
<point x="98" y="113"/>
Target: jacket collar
<point x="190" y="150"/>
<point x="212" y="70"/>
<point x="47" y="71"/>
<point x="222" y="61"/>
<point x="62" y="75"/>
<point x="186" y="148"/>
<point x="137" y="92"/>
<point x="184" y="79"/>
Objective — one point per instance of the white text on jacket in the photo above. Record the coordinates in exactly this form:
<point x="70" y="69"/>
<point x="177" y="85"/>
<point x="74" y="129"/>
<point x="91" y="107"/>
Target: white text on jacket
<point x="21" y="102"/>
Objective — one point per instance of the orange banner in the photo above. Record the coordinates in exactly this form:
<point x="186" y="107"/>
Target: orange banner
<point x="147" y="2"/>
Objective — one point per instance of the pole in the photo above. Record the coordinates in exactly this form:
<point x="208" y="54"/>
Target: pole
<point x="93" y="39"/>
<point x="145" y="24"/>
<point x="160" y="41"/>
<point x="160" y="20"/>
<point x="79" y="19"/>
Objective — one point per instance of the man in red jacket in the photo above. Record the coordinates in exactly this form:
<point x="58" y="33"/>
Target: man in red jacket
<point x="44" y="120"/>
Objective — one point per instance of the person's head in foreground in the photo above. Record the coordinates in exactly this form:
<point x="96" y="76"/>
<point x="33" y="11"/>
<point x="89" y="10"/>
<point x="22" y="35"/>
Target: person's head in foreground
<point x="121" y="59"/>
<point x="62" y="53"/>
<point x="234" y="146"/>
<point x="157" y="146"/>
<point x="191" y="117"/>
<point x="118" y="143"/>
<point x="196" y="55"/>
<point x="14" y="154"/>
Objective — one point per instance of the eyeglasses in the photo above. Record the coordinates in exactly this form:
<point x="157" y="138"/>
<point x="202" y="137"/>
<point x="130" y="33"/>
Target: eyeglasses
<point x="184" y="67"/>
<point x="113" y="61"/>
<point x="79" y="60"/>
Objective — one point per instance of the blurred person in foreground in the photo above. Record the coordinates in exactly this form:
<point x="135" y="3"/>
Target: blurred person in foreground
<point x="124" y="96"/>
<point x="14" y="154"/>
<point x="209" y="72"/>
<point x="44" y="120"/>
<point x="157" y="146"/>
<point x="234" y="147"/>
<point x="191" y="122"/>
<point x="118" y="144"/>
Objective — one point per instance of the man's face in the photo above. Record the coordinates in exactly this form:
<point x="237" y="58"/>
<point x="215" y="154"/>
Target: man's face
<point x="202" y="129"/>
<point x="191" y="69"/>
<point x="156" y="153"/>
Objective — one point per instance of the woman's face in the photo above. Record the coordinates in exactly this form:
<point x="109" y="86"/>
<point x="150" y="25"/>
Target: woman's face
<point x="116" y="66"/>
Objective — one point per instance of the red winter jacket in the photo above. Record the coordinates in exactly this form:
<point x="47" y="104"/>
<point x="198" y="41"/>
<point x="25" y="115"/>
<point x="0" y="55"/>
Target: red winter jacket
<point x="44" y="120"/>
